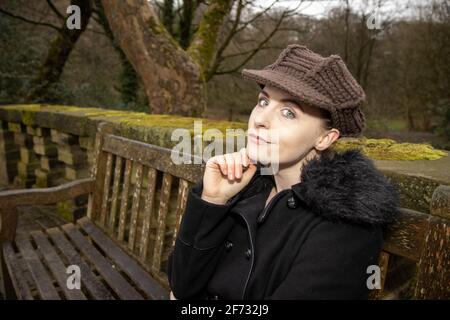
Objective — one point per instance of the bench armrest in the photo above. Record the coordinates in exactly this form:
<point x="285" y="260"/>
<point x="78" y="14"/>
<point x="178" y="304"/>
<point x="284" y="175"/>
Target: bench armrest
<point x="11" y="199"/>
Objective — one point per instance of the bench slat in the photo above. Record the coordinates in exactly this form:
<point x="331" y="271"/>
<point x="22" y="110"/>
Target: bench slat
<point x="55" y="265"/>
<point x="125" y="262"/>
<point x="115" y="194"/>
<point x="383" y="263"/>
<point x="94" y="286"/>
<point x="18" y="279"/>
<point x="124" y="201"/>
<point x="44" y="283"/>
<point x="106" y="188"/>
<point x="161" y="224"/>
<point x="405" y="235"/>
<point x="433" y="277"/>
<point x="183" y="190"/>
<point x="154" y="156"/>
<point x="135" y="207"/>
<point x="148" y="212"/>
<point x="112" y="276"/>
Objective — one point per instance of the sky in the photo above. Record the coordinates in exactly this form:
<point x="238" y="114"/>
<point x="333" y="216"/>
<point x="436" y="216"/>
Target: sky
<point x="319" y="8"/>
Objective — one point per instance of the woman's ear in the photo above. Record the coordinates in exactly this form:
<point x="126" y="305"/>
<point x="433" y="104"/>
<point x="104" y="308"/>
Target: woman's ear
<point x="327" y="139"/>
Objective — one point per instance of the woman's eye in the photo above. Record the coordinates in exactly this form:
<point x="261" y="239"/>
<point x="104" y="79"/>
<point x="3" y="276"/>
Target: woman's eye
<point x="261" y="99"/>
<point x="288" y="113"/>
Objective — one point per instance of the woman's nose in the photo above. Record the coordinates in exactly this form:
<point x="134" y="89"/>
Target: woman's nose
<point x="262" y="118"/>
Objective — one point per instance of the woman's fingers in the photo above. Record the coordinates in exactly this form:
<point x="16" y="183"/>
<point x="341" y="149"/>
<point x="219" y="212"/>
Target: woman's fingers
<point x="245" y="159"/>
<point x="222" y="164"/>
<point x="237" y="165"/>
<point x="230" y="165"/>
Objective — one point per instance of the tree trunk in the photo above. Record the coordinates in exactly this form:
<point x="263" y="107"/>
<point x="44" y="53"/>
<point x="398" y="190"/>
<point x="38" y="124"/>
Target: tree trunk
<point x="58" y="54"/>
<point x="185" y="23"/>
<point x="173" y="81"/>
<point x="128" y="77"/>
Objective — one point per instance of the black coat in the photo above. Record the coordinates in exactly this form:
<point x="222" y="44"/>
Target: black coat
<point x="312" y="241"/>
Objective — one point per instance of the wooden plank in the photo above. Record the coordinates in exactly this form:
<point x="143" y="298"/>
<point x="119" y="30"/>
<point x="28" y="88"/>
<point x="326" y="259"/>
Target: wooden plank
<point x="70" y="190"/>
<point x="148" y="211"/>
<point x="383" y="263"/>
<point x="56" y="265"/>
<point x="124" y="201"/>
<point x="106" y="186"/>
<point x="94" y="286"/>
<point x="405" y="235"/>
<point x="161" y="224"/>
<point x="98" y="171"/>
<point x="18" y="279"/>
<point x="135" y="207"/>
<point x="183" y="190"/>
<point x="8" y="223"/>
<point x="44" y="283"/>
<point x="141" y="278"/>
<point x="115" y="194"/>
<point x="123" y="289"/>
<point x="440" y="202"/>
<point x="155" y="157"/>
<point x="433" y="277"/>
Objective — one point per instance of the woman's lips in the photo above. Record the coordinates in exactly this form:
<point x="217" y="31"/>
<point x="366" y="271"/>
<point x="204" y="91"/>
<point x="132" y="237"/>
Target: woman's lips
<point x="257" y="139"/>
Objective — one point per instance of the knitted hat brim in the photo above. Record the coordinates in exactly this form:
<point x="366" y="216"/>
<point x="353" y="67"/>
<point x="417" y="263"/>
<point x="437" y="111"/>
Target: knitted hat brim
<point x="294" y="87"/>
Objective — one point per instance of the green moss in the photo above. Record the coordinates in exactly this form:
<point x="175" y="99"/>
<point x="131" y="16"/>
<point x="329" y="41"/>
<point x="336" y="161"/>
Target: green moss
<point x="64" y="210"/>
<point x="41" y="182"/>
<point x="388" y="149"/>
<point x="159" y="29"/>
<point x="172" y="121"/>
<point x="28" y="117"/>
<point x="203" y="46"/>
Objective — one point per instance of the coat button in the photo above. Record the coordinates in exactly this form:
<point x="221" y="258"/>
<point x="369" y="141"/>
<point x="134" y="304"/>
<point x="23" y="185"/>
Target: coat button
<point x="292" y="203"/>
<point x="228" y="245"/>
<point x="248" y="253"/>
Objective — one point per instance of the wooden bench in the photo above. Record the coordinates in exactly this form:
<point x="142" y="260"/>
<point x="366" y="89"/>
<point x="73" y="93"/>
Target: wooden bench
<point x="136" y="199"/>
<point x="423" y="239"/>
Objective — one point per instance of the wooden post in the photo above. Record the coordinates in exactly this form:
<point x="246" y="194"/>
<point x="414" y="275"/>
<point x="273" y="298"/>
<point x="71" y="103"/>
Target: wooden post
<point x="8" y="223"/>
<point x="98" y="170"/>
<point x="433" y="278"/>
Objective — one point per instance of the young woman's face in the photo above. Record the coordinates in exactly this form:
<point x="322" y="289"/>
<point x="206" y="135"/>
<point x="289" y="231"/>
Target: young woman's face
<point x="287" y="130"/>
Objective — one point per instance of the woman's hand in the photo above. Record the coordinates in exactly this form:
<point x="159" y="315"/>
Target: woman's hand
<point x="226" y="175"/>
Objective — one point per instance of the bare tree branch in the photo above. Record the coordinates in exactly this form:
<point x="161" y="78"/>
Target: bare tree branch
<point x="249" y="51"/>
<point x="55" y="10"/>
<point x="261" y="45"/>
<point x="45" y="24"/>
<point x="226" y="42"/>
<point x="245" y="24"/>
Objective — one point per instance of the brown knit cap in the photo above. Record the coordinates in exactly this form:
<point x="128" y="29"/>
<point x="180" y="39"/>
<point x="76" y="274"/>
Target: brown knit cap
<point x="319" y="82"/>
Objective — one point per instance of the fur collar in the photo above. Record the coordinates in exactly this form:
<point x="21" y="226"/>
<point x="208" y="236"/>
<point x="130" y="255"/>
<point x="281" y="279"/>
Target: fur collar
<point x="343" y="186"/>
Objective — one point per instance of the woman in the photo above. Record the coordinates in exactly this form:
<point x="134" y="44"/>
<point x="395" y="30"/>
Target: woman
<point x="309" y="230"/>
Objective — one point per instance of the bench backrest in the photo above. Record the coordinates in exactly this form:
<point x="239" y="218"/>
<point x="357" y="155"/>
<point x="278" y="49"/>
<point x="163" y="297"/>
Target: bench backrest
<point x="423" y="239"/>
<point x="140" y="196"/>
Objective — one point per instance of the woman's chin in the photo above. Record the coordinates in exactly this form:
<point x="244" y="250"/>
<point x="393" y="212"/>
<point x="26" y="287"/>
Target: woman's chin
<point x="258" y="154"/>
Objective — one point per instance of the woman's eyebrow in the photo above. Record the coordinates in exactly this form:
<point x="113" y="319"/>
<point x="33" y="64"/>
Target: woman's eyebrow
<point x="293" y="101"/>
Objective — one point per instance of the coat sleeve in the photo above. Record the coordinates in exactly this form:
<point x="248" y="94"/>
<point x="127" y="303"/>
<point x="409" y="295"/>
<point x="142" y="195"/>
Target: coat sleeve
<point x="332" y="263"/>
<point x="199" y="244"/>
